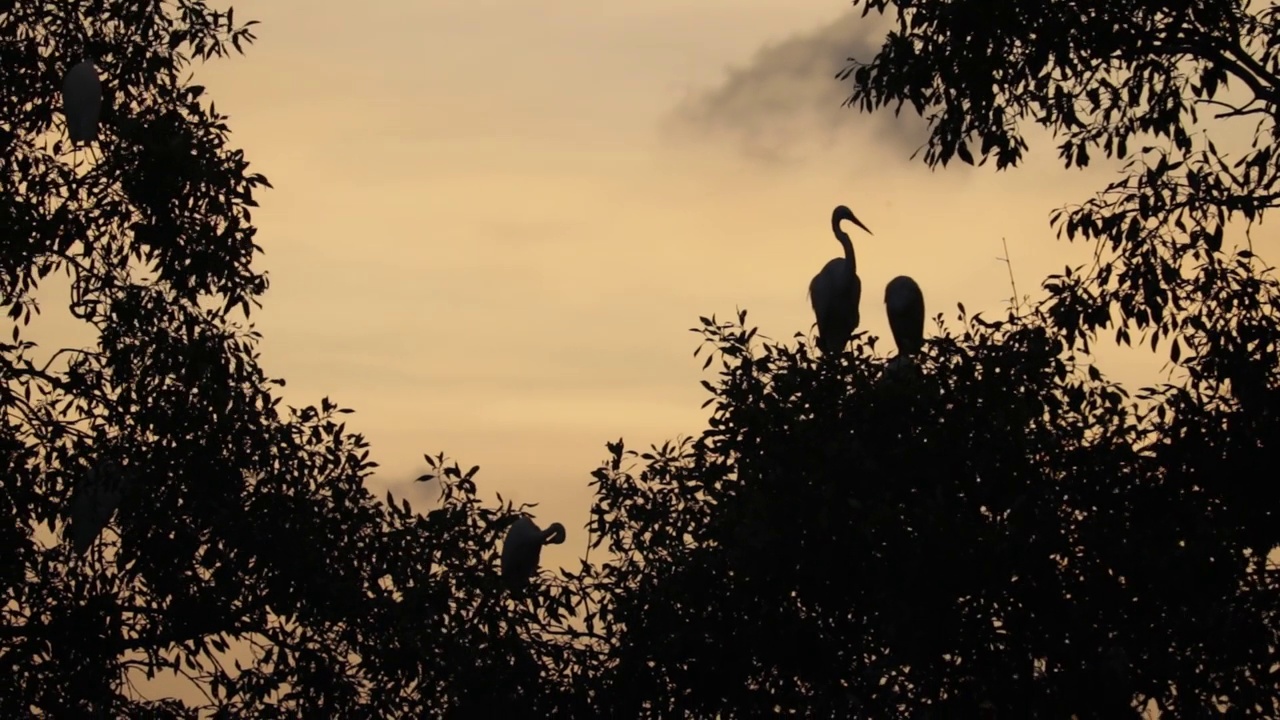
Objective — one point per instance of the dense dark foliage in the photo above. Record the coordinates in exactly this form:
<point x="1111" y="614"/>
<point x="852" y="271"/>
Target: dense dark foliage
<point x="247" y="554"/>
<point x="995" y="530"/>
<point x="1002" y="531"/>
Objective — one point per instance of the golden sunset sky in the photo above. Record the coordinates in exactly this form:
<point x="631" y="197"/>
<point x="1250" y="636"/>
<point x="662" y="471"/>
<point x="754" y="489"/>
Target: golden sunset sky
<point x="494" y="223"/>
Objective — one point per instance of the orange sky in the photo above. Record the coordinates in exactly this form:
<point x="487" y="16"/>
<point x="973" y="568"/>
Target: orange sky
<point x="492" y="227"/>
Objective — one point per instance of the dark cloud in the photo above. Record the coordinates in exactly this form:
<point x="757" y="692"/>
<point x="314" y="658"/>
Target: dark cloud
<point x="785" y="105"/>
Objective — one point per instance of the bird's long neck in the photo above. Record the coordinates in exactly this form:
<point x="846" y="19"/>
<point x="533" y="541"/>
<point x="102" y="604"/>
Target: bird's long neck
<point x="847" y="244"/>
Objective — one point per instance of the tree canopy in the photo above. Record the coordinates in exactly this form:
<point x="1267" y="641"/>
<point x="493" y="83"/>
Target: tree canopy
<point x="1151" y="84"/>
<point x="1004" y="531"/>
<point x="246" y="553"/>
<point x="994" y="530"/>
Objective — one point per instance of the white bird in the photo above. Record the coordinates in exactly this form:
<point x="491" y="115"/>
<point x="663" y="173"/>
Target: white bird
<point x="82" y="101"/>
<point x="93" y="501"/>
<point x="905" y="305"/>
<point x="523" y="547"/>
<point x="836" y="291"/>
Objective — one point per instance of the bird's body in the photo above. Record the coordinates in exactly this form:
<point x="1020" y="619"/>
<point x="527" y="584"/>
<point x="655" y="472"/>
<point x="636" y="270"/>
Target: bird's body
<point x="82" y="101"/>
<point x="93" y="501"/>
<point x="522" y="549"/>
<point x="836" y="292"/>
<point x="905" y="304"/>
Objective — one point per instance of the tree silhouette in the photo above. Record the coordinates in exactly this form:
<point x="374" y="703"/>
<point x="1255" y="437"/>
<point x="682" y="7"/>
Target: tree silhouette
<point x="1002" y="531"/>
<point x="246" y="553"/>
<point x="1145" y="82"/>
<point x="996" y="529"/>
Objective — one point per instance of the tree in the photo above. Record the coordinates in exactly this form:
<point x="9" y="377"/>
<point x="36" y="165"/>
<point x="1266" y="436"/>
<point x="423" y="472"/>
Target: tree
<point x="1005" y="531"/>
<point x="246" y="554"/>
<point x="1001" y="531"/>
<point x="1134" y="80"/>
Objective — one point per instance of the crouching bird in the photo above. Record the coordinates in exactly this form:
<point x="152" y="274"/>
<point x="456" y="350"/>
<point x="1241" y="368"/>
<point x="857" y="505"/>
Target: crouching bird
<point x="522" y="549"/>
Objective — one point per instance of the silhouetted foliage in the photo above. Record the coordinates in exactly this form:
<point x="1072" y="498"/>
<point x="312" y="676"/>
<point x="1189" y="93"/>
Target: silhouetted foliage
<point x="1137" y="81"/>
<point x="996" y="529"/>
<point x="999" y="529"/>
<point x="246" y="553"/>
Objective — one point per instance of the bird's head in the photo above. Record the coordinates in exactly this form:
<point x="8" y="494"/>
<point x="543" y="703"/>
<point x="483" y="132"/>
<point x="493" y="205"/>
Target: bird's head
<point x="842" y="213"/>
<point x="554" y="534"/>
<point x="903" y="291"/>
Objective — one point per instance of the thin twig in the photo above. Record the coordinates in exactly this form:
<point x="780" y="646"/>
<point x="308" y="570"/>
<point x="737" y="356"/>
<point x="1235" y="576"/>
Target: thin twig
<point x="586" y="563"/>
<point x="1016" y="305"/>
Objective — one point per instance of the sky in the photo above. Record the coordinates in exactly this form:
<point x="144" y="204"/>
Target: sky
<point x="493" y="225"/>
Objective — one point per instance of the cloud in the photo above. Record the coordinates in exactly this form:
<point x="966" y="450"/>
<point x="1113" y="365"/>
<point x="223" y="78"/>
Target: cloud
<point x="785" y="105"/>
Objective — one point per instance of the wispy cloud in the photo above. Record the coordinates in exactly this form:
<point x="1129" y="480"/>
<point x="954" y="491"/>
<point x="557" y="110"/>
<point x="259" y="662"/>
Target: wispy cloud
<point x="786" y="106"/>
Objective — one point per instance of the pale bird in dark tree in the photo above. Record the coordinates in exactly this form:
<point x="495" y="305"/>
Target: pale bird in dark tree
<point x="836" y="291"/>
<point x="82" y="101"/>
<point x="93" y="501"/>
<point x="522" y="549"/>
<point x="905" y="305"/>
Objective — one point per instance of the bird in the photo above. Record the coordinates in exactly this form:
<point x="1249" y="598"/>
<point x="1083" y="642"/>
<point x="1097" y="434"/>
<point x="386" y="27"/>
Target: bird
<point x="93" y="501"/>
<point x="836" y="291"/>
<point x="905" y="305"/>
<point x="82" y="101"/>
<point x="522" y="548"/>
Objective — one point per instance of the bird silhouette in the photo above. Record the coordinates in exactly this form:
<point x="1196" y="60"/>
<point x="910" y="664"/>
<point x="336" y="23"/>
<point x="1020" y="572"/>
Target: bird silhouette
<point x="522" y="549"/>
<point x="93" y="501"/>
<point x="82" y="101"/>
<point x="905" y="305"/>
<point x="836" y="291"/>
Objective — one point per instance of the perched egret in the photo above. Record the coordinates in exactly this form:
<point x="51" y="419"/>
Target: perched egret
<point x="82" y="101"/>
<point x="836" y="291"/>
<point x="93" y="501"/>
<point x="905" y="304"/>
<point x="522" y="548"/>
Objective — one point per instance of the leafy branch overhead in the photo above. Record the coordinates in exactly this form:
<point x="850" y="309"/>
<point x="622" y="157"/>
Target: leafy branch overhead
<point x="1146" y="82"/>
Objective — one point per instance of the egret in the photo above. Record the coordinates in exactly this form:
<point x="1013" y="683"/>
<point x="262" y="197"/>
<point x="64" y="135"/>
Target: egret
<point x="523" y="546"/>
<point x="82" y="101"/>
<point x="905" y="305"/>
<point x="93" y="501"/>
<point x="836" y="291"/>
